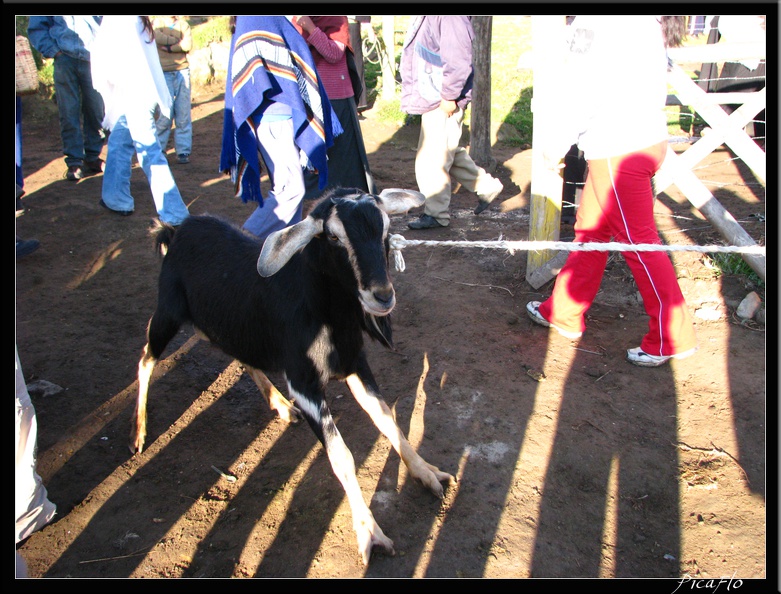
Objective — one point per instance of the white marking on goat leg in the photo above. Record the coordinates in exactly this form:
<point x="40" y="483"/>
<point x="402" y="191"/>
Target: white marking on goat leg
<point x="431" y="476"/>
<point x="138" y="429"/>
<point x="367" y="531"/>
<point x="274" y="398"/>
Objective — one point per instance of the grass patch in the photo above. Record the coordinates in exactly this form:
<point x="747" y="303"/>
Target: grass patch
<point x="735" y="265"/>
<point x="209" y="30"/>
<point x="390" y="111"/>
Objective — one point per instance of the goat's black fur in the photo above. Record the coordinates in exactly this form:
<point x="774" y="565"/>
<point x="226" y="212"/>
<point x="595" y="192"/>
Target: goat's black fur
<point x="298" y="303"/>
<point x="209" y="279"/>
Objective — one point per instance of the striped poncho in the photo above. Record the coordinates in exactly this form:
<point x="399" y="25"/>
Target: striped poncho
<point x="270" y="62"/>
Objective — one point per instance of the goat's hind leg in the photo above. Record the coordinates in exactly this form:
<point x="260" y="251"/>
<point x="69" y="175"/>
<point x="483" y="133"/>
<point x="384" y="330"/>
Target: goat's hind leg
<point x="370" y="400"/>
<point x="276" y="401"/>
<point x="159" y="333"/>
<point x="138" y="424"/>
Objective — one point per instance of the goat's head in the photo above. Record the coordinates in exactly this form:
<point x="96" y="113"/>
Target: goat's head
<point x="354" y="226"/>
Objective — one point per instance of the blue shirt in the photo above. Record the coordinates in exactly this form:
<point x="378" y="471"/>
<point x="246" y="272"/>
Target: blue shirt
<point x="71" y="35"/>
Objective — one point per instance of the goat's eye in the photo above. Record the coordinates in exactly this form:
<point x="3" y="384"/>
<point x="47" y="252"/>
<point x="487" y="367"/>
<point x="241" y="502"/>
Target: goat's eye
<point x="332" y="238"/>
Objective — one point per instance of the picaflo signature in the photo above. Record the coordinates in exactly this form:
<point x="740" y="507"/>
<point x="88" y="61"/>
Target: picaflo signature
<point x="711" y="584"/>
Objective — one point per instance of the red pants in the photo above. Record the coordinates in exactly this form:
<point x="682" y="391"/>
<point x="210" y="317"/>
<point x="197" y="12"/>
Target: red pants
<point x="618" y="205"/>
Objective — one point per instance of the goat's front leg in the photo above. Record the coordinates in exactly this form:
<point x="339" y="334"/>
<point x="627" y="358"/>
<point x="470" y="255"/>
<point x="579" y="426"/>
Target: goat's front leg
<point x="367" y="531"/>
<point x="138" y="423"/>
<point x="274" y="398"/>
<point x="367" y="395"/>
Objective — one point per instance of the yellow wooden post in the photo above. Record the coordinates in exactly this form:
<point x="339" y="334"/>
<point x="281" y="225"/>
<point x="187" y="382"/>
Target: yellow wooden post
<point x="546" y="182"/>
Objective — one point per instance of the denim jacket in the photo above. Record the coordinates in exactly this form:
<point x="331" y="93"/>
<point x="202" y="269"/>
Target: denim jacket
<point x="71" y="35"/>
<point x="436" y="63"/>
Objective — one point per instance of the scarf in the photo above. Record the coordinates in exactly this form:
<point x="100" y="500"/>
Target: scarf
<point x="270" y="62"/>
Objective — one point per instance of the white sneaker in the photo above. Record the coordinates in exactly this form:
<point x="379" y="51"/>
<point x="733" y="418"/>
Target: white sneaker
<point x="533" y="309"/>
<point x="639" y="357"/>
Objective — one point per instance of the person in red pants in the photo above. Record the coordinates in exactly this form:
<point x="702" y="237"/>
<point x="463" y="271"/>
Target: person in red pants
<point x="618" y="198"/>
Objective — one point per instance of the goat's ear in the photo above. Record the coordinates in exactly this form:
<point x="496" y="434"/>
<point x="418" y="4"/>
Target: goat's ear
<point x="397" y="201"/>
<point x="280" y="246"/>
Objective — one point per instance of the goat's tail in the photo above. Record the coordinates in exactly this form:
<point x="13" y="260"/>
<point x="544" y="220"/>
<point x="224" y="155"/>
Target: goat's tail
<point x="162" y="233"/>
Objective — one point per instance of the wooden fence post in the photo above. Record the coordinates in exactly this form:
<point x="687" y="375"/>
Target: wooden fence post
<point x="546" y="183"/>
<point x="480" y="124"/>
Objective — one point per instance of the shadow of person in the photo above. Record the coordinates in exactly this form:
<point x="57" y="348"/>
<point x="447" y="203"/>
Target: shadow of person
<point x="610" y="497"/>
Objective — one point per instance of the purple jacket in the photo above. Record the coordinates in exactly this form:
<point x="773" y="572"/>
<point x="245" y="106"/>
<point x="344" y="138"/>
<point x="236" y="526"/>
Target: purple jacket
<point x="436" y="63"/>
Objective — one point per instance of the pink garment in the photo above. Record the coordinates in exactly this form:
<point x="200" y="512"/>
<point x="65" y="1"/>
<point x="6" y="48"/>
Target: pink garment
<point x="329" y="42"/>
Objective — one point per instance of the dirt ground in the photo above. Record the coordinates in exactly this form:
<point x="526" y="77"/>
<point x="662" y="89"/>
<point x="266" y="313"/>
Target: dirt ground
<point x="570" y="461"/>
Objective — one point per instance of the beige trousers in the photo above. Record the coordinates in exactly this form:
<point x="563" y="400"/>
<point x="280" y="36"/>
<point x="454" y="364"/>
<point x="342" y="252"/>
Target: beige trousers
<point x="440" y="160"/>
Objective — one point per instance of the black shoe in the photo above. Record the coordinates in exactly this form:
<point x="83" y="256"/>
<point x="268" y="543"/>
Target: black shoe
<point x="485" y="200"/>
<point x="481" y="206"/>
<point x="122" y="213"/>
<point x="93" y="167"/>
<point x="183" y="159"/>
<point x="25" y="247"/>
<point x="74" y="173"/>
<point x="425" y="222"/>
<point x="19" y="208"/>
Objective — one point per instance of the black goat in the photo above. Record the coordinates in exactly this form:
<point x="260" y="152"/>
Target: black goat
<point x="299" y="305"/>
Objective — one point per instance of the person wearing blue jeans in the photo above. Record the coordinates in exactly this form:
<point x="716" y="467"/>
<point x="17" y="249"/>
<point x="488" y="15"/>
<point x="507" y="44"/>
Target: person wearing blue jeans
<point x="178" y="82"/>
<point x="174" y="40"/>
<point x="68" y="40"/>
<point x="134" y="132"/>
<point x="126" y="70"/>
<point x="24" y="247"/>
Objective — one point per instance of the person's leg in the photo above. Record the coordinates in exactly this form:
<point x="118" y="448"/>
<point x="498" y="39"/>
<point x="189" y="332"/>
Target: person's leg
<point x="67" y="88"/>
<point x="463" y="169"/>
<point x="163" y="123"/>
<point x="18" y="150"/>
<point x="578" y="281"/>
<point x="670" y="327"/>
<point x="183" y="132"/>
<point x="31" y="501"/>
<point x="116" y="177"/>
<point x="283" y="205"/>
<point x="433" y="160"/>
<point x="92" y="111"/>
<point x="168" y="201"/>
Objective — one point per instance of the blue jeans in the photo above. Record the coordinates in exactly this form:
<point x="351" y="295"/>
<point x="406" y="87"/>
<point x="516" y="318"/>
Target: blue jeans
<point x="135" y="131"/>
<point x="19" y="175"/>
<point x="178" y="82"/>
<point x="77" y="99"/>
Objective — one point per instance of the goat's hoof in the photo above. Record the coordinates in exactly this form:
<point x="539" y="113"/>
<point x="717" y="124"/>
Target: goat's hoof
<point x="136" y="447"/>
<point x="289" y="414"/>
<point x="375" y="540"/>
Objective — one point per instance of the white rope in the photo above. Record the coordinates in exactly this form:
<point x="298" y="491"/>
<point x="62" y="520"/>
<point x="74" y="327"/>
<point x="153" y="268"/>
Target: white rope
<point x="398" y="242"/>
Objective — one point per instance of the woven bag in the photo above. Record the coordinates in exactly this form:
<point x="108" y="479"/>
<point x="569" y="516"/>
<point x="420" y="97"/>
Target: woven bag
<point x="26" y="71"/>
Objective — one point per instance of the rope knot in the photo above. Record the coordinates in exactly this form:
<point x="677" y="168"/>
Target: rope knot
<point x="396" y="243"/>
